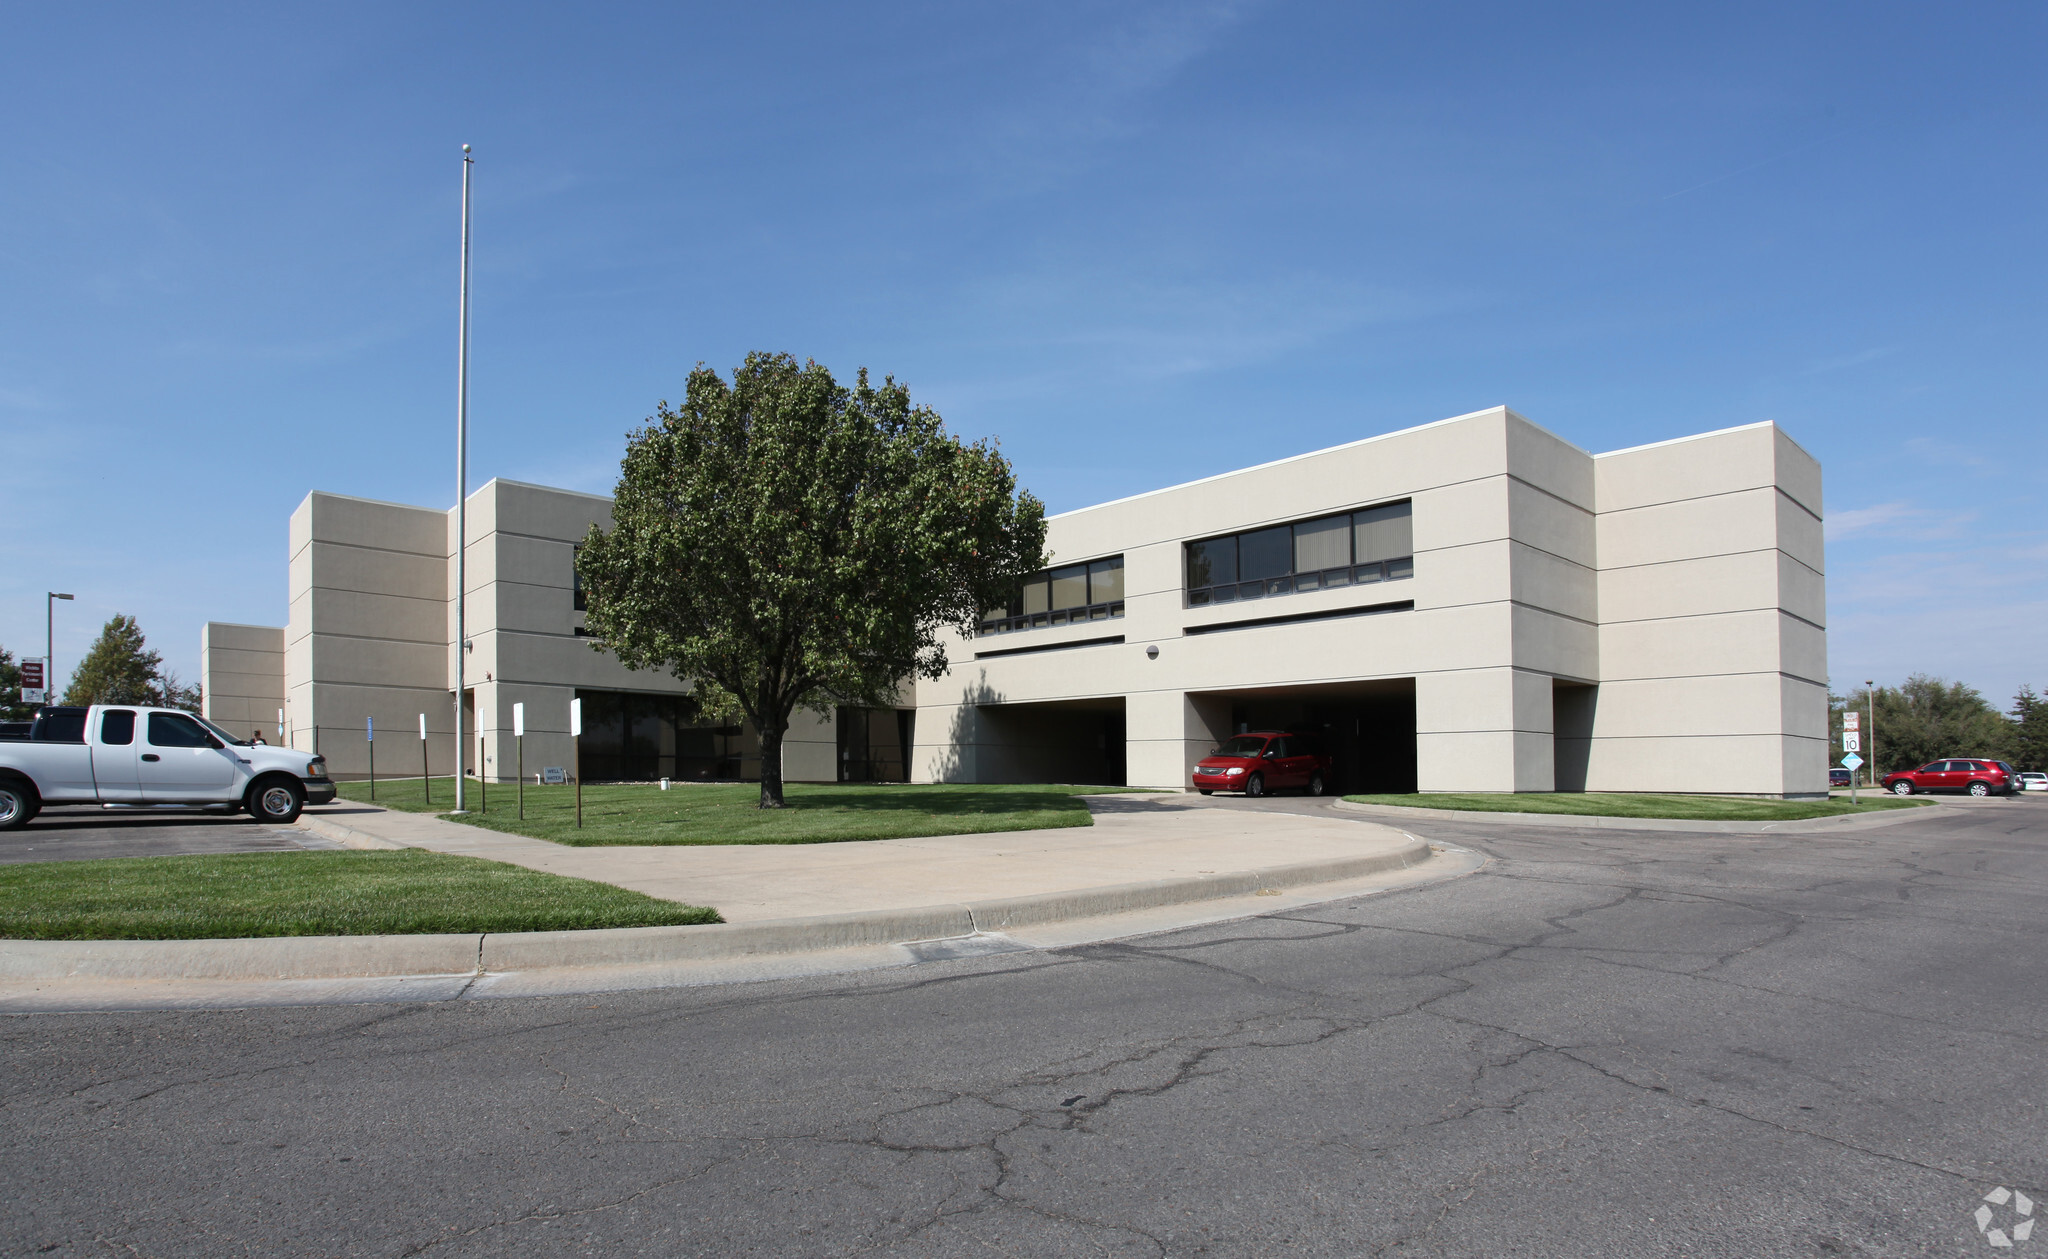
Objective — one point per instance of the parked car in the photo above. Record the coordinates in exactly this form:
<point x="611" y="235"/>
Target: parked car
<point x="2032" y="781"/>
<point x="125" y="754"/>
<point x="1979" y="778"/>
<point x="1838" y="778"/>
<point x="1263" y="762"/>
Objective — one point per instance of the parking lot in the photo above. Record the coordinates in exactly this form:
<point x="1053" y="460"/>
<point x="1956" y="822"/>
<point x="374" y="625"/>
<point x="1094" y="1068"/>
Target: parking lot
<point x="81" y="834"/>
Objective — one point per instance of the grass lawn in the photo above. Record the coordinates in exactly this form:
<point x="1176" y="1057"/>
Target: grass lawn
<point x="1687" y="808"/>
<point x="231" y="895"/>
<point x="725" y="813"/>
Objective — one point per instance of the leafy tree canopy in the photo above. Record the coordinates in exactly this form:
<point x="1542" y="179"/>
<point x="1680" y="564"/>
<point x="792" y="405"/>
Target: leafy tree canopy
<point x="11" y="707"/>
<point x="120" y="669"/>
<point x="2029" y="730"/>
<point x="1926" y="719"/>
<point x="784" y="541"/>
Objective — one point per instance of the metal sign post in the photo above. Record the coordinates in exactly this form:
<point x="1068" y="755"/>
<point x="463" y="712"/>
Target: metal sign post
<point x="519" y="742"/>
<point x="370" y="739"/>
<point x="576" y="754"/>
<point x="426" y="783"/>
<point x="1851" y="763"/>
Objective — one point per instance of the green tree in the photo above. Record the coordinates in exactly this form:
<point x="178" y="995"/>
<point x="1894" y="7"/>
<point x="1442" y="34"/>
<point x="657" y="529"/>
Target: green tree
<point x="1928" y="718"/>
<point x="785" y="542"/>
<point x="2029" y="730"/>
<point x="11" y="707"/>
<point x="121" y="669"/>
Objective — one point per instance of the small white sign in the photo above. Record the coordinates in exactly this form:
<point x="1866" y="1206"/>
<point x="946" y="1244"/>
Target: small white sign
<point x="1851" y="719"/>
<point x="554" y="776"/>
<point x="1851" y="761"/>
<point x="423" y="727"/>
<point x="518" y="721"/>
<point x="575" y="718"/>
<point x="369" y="729"/>
<point x="1852" y="741"/>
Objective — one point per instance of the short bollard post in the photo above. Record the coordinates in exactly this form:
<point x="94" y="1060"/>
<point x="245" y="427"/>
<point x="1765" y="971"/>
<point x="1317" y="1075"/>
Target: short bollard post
<point x="426" y="783"/>
<point x="370" y="738"/>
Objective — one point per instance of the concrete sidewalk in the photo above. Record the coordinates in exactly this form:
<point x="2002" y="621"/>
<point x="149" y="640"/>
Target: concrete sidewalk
<point x="1135" y="839"/>
<point x="1149" y="863"/>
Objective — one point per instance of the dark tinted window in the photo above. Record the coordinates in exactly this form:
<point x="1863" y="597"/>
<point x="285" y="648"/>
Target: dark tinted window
<point x="117" y="727"/>
<point x="1283" y="747"/>
<point x="1243" y="745"/>
<point x="176" y="730"/>
<point x="1267" y="553"/>
<point x="1212" y="563"/>
<point x="62" y="727"/>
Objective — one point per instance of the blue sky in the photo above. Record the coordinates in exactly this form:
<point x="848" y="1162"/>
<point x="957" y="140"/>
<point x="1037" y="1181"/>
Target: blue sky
<point x="1139" y="243"/>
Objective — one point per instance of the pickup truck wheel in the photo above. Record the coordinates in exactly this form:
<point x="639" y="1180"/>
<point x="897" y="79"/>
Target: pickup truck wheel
<point x="18" y="803"/>
<point x="277" y="801"/>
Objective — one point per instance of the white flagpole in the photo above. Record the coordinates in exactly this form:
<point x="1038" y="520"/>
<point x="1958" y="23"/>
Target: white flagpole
<point x="462" y="482"/>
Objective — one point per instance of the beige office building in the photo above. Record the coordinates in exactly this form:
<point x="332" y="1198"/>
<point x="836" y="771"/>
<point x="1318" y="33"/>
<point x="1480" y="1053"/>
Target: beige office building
<point x="1471" y="605"/>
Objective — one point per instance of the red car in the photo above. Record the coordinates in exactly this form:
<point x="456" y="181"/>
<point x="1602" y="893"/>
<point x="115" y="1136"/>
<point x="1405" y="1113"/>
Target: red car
<point x="1979" y="778"/>
<point x="1263" y="762"/>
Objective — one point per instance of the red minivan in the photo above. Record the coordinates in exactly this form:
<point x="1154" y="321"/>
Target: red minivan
<point x="1979" y="778"/>
<point x="1264" y="761"/>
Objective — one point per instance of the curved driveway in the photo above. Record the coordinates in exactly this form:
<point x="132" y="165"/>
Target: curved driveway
<point x="1606" y="1043"/>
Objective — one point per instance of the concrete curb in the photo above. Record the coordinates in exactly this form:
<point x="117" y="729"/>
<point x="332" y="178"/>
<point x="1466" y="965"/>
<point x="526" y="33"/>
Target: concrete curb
<point x="1866" y="821"/>
<point x="361" y="957"/>
<point x="346" y="836"/>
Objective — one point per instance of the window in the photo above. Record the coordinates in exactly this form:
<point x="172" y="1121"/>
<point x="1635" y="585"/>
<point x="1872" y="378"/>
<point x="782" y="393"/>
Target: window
<point x="1067" y="595"/>
<point x="117" y="727"/>
<point x="1357" y="548"/>
<point x="576" y="578"/>
<point x="176" y="730"/>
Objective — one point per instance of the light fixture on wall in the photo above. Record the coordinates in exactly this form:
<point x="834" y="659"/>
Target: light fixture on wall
<point x="1152" y="652"/>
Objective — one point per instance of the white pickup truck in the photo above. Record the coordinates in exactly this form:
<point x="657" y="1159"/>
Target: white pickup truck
<point x="126" y="754"/>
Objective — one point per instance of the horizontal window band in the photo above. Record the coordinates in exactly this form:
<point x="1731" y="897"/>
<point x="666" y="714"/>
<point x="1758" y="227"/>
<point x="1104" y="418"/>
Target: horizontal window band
<point x="1021" y="651"/>
<point x="1406" y="605"/>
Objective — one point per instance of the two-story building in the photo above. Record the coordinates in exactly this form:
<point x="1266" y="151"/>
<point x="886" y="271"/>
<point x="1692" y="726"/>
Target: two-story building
<point x="1471" y="605"/>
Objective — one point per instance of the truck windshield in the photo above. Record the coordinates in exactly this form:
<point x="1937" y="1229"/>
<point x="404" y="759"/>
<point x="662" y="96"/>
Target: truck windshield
<point x="221" y="734"/>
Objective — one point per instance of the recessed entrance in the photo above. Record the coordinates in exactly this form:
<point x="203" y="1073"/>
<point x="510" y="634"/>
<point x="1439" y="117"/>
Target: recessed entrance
<point x="1368" y="728"/>
<point x="1073" y="741"/>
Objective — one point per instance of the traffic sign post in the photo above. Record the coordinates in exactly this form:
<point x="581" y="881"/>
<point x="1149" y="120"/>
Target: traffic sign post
<point x="370" y="741"/>
<point x="576" y="754"/>
<point x="426" y="783"/>
<point x="519" y="742"/>
<point x="1852" y="763"/>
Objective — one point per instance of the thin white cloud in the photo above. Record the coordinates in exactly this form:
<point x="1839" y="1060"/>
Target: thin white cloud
<point x="1898" y="519"/>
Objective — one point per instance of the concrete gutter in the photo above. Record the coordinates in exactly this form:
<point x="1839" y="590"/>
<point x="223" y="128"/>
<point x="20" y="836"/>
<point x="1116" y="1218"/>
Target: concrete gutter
<point x="1803" y="826"/>
<point x="361" y="957"/>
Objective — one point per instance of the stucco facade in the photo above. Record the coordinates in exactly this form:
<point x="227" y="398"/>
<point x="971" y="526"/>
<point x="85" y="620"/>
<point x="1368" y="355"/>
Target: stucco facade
<point x="1649" y="619"/>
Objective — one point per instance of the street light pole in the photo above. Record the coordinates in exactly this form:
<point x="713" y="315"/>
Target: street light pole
<point x="1870" y="702"/>
<point x="50" y="642"/>
<point x="462" y="480"/>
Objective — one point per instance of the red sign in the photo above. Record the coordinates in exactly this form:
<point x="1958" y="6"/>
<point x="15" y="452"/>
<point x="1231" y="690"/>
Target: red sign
<point x="31" y="674"/>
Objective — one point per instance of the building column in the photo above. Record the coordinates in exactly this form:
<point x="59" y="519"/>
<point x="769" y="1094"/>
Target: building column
<point x="1166" y="732"/>
<point x="1484" y="730"/>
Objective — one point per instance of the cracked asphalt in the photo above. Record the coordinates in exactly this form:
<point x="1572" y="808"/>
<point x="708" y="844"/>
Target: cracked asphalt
<point x="1605" y="1043"/>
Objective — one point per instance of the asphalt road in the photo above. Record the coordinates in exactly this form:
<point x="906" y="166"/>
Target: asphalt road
<point x="71" y="834"/>
<point x="1606" y="1043"/>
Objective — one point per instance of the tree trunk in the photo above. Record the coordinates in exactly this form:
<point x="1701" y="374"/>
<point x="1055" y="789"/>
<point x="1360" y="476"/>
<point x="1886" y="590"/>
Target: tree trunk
<point x="771" y="763"/>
